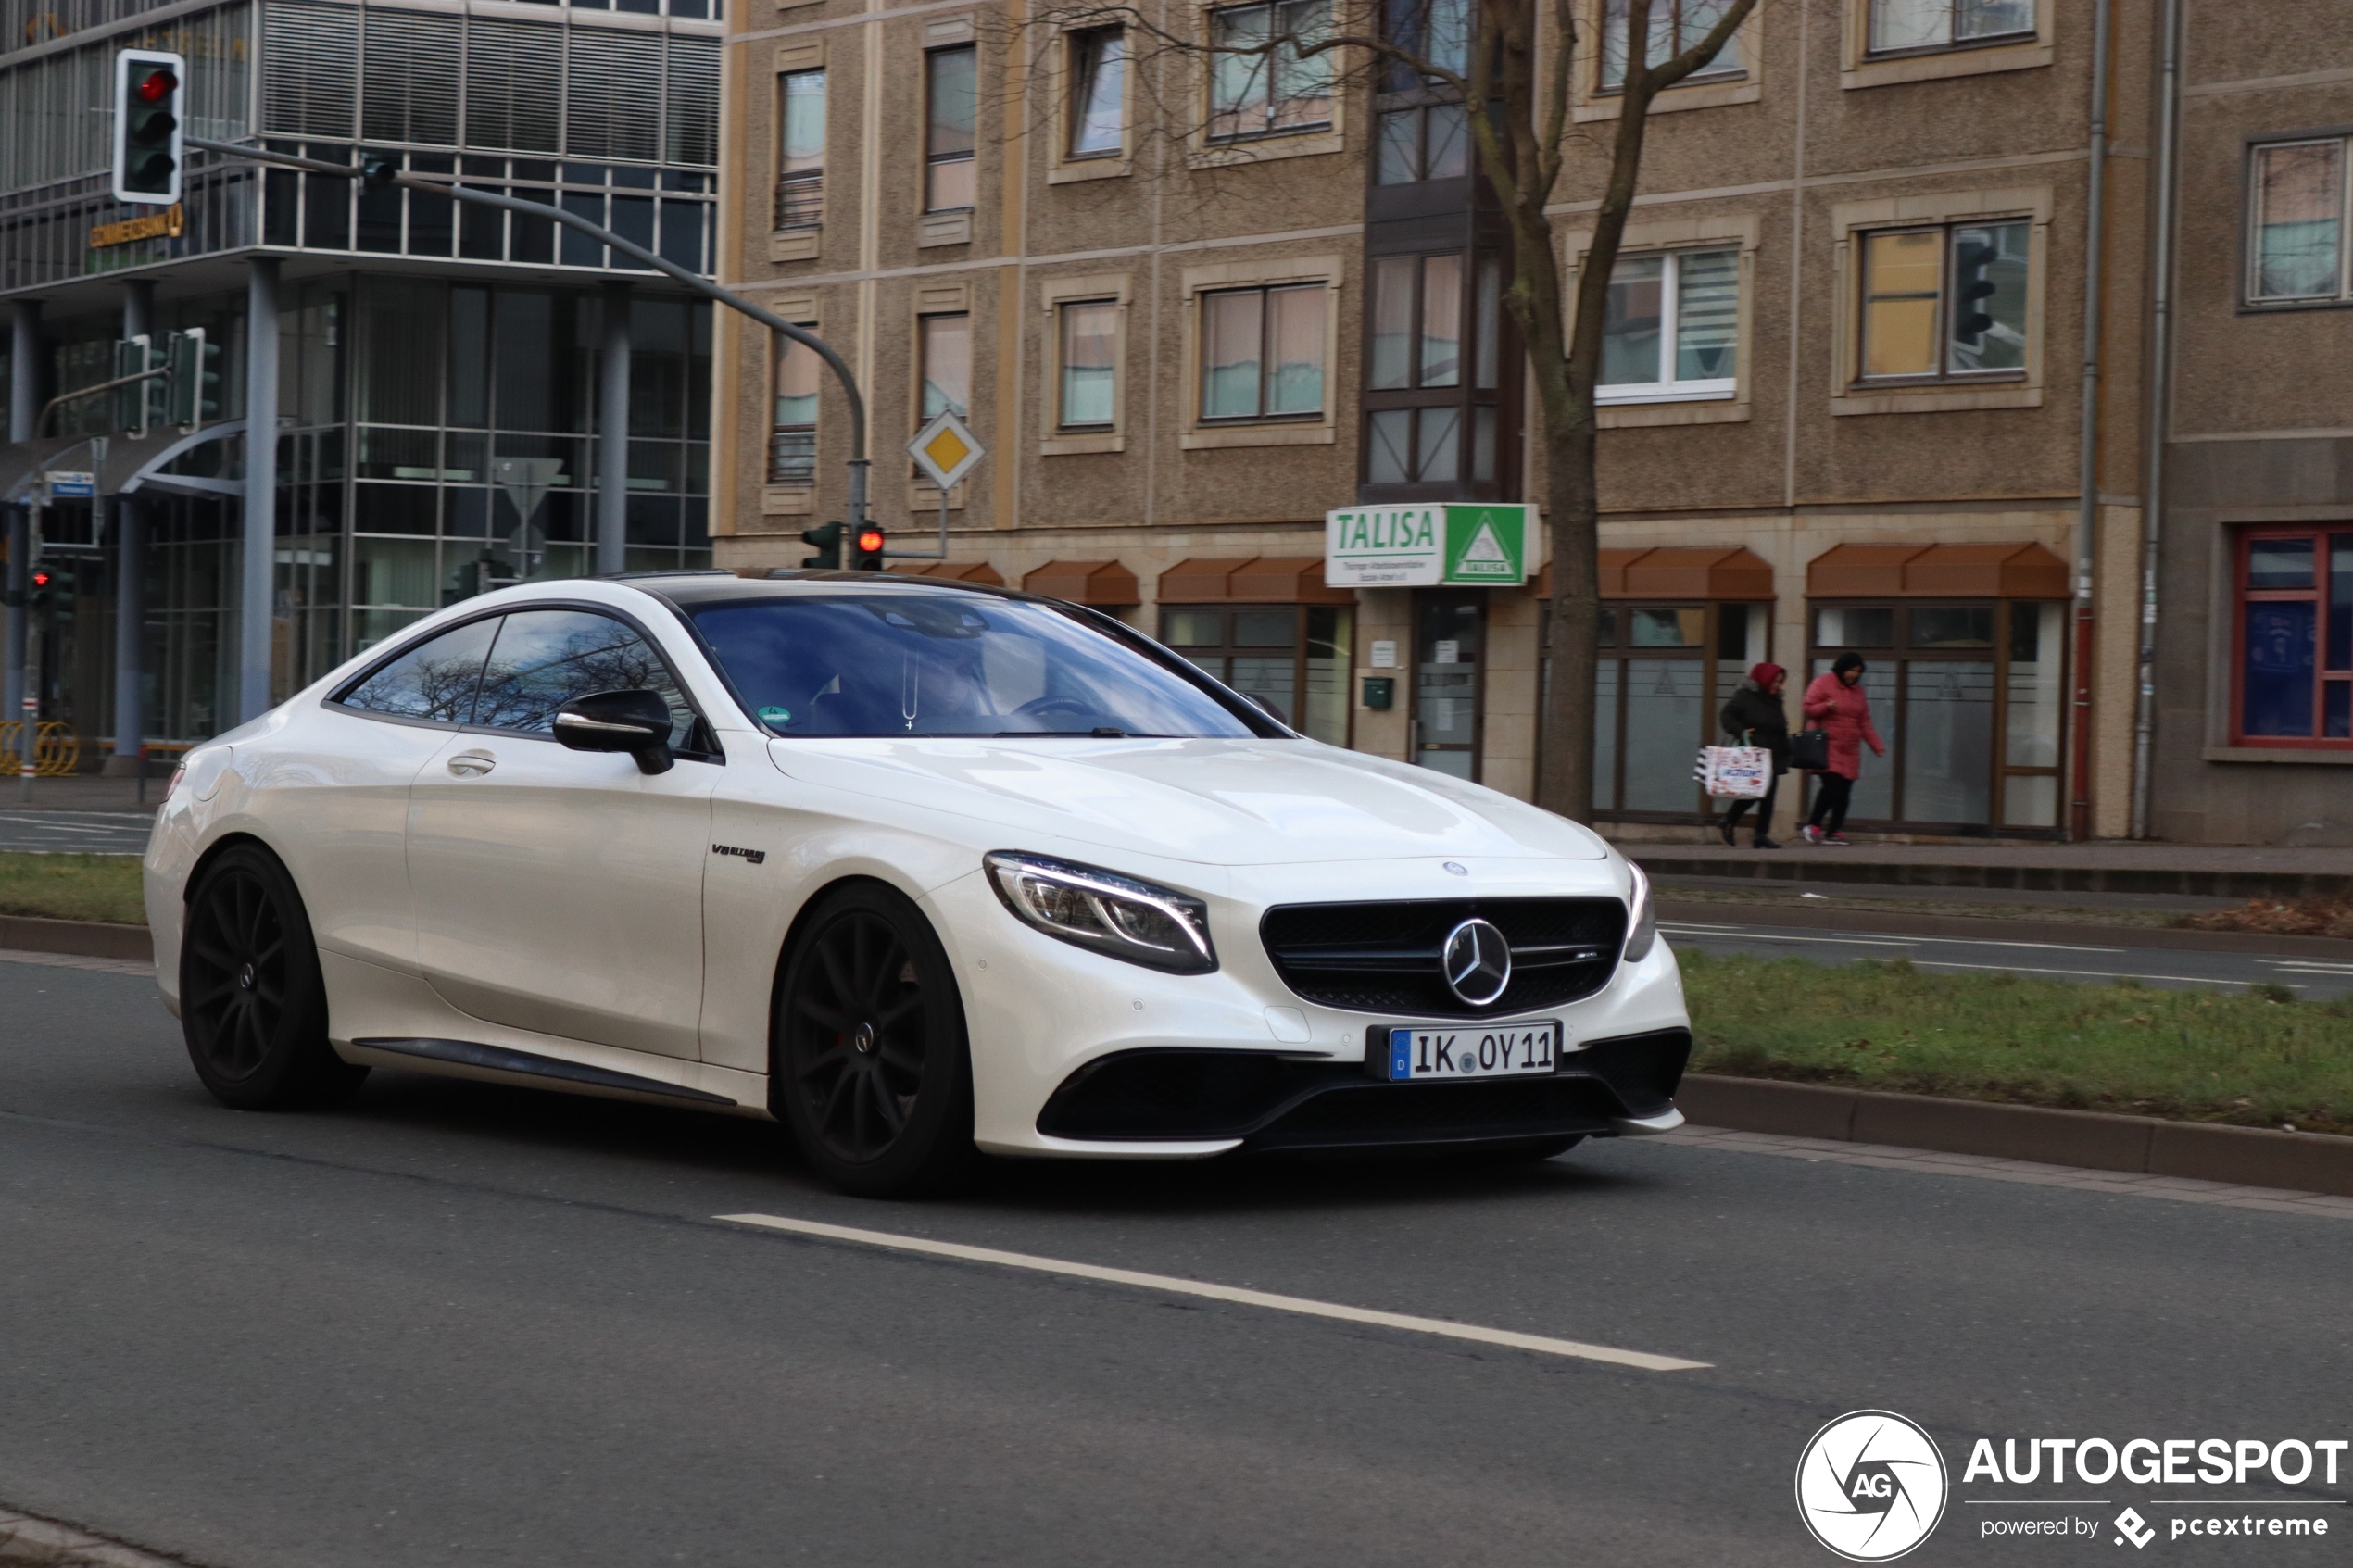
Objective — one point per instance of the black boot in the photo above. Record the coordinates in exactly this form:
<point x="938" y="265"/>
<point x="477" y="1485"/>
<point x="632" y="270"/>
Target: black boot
<point x="1724" y="826"/>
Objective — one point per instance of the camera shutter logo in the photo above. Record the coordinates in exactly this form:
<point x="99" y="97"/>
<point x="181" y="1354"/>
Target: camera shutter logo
<point x="1871" y="1485"/>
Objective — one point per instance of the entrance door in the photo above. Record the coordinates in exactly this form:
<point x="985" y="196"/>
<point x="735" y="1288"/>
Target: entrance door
<point x="1450" y="638"/>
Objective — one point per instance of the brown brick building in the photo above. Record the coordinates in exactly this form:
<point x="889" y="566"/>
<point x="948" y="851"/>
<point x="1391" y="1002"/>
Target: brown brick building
<point x="1191" y="307"/>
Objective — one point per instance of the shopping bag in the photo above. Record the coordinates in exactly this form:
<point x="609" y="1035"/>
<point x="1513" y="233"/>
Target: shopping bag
<point x="1736" y="773"/>
<point x="1809" y="750"/>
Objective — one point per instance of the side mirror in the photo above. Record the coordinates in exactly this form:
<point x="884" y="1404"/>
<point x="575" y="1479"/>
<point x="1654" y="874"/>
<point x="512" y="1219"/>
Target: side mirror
<point x="633" y="722"/>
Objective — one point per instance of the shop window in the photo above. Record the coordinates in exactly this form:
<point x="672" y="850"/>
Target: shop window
<point x="1904" y="27"/>
<point x="951" y="95"/>
<point x="1295" y="657"/>
<point x="800" y="149"/>
<point x="1260" y="84"/>
<point x="2294" y="650"/>
<point x="1969" y="697"/>
<point x="1663" y="671"/>
<point x="1945" y="302"/>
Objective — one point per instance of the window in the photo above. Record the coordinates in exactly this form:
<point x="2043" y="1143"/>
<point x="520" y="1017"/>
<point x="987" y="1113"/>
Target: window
<point x="1420" y="393"/>
<point x="1968" y="696"/>
<point x="1946" y="301"/>
<point x="1675" y="26"/>
<point x="1295" y="657"/>
<point x="1431" y="141"/>
<point x="1672" y="326"/>
<point x="544" y="658"/>
<point x="1906" y="26"/>
<point x="792" y="441"/>
<point x="434" y="680"/>
<point x="800" y="149"/>
<point x="1097" y="92"/>
<point x="952" y="90"/>
<point x="1421" y="139"/>
<point x="1655" y="696"/>
<point x="2299" y="249"/>
<point x="2294" y="684"/>
<point x="1263" y="353"/>
<point x="946" y="345"/>
<point x="1089" y="365"/>
<point x="1260" y="84"/>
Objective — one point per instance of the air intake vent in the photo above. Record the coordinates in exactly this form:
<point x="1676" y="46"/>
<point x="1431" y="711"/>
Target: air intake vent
<point x="1384" y="958"/>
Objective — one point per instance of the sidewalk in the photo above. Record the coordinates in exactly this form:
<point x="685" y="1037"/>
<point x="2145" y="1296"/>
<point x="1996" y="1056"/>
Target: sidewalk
<point x="2207" y="870"/>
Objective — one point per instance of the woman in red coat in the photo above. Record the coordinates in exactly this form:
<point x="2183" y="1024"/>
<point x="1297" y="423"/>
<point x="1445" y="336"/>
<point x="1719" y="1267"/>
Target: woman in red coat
<point x="1835" y="704"/>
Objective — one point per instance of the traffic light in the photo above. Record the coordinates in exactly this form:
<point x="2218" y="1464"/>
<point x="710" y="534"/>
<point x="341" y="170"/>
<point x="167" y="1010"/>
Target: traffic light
<point x="191" y="395"/>
<point x="1973" y="261"/>
<point x="48" y="585"/>
<point x="826" y="540"/>
<point x="138" y="404"/>
<point x="867" y="552"/>
<point x="149" y="93"/>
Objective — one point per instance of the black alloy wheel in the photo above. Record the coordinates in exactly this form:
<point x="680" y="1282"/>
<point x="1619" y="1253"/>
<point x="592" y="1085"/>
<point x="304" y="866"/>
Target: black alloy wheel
<point x="253" y="1005"/>
<point x="871" y="1069"/>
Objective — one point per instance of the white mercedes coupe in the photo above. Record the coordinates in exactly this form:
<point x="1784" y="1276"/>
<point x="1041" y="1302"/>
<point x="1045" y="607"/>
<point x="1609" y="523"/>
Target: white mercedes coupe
<point x="912" y="867"/>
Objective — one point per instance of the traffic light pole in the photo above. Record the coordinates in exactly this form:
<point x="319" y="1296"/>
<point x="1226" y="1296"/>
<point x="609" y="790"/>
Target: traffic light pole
<point x="379" y="173"/>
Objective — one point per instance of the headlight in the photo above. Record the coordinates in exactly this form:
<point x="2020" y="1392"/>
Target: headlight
<point x="1641" y="918"/>
<point x="1106" y="911"/>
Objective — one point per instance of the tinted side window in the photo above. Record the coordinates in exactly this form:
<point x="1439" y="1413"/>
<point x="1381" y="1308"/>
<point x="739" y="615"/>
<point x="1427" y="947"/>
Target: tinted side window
<point x="434" y="680"/>
<point x="545" y="658"/>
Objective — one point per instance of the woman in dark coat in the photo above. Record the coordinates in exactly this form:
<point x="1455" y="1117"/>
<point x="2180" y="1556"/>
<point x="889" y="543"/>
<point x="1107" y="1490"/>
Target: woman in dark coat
<point x="1754" y="717"/>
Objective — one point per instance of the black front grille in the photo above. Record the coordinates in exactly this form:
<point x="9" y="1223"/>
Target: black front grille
<point x="1384" y="958"/>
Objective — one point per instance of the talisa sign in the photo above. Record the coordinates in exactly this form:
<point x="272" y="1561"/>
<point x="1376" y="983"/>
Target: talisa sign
<point x="1484" y="544"/>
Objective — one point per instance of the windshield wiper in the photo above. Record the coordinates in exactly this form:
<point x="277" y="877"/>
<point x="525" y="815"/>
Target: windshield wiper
<point x="1101" y="732"/>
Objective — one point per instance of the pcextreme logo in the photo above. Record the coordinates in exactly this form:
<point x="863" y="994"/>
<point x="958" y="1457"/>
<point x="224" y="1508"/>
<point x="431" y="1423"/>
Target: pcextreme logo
<point x="1870" y="1486"/>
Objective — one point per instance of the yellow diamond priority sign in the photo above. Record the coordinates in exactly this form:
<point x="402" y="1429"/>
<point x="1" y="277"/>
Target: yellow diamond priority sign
<point x="945" y="450"/>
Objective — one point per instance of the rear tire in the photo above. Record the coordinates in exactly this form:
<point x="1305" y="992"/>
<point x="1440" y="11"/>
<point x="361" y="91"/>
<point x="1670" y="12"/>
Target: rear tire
<point x="253" y="1005"/>
<point x="869" y="1062"/>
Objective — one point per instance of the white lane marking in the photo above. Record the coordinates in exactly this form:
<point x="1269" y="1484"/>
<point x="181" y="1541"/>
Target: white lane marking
<point x="2104" y="974"/>
<point x="2307" y="966"/>
<point x="1172" y="1285"/>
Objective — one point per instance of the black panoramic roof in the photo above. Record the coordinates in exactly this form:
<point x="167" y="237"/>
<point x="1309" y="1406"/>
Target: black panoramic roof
<point x="694" y="590"/>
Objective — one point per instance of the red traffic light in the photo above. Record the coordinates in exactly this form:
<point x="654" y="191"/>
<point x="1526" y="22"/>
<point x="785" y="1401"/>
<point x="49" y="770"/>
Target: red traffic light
<point x="40" y="579"/>
<point x="156" y="86"/>
<point x="870" y="540"/>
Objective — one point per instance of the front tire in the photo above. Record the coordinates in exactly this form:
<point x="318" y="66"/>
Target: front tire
<point x="253" y="1005"/>
<point x="869" y="1064"/>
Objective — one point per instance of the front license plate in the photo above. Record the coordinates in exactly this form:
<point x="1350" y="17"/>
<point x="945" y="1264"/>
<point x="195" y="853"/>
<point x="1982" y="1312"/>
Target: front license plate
<point x="1504" y="1052"/>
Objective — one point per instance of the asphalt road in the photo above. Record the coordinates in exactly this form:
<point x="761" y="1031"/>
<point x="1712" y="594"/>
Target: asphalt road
<point x="49" y="831"/>
<point x="460" y="1324"/>
<point x="2090" y="961"/>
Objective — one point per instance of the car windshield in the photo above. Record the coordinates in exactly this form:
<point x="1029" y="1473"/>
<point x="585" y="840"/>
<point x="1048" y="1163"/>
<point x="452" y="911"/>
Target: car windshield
<point x="940" y="664"/>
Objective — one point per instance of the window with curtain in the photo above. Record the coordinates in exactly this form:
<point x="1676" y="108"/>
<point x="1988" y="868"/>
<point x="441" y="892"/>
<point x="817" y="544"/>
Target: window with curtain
<point x="1263" y="353"/>
<point x="800" y="149"/>
<point x="1090" y="393"/>
<point x="792" y="441"/>
<point x="1434" y="347"/>
<point x="951" y="95"/>
<point x="1675" y="26"/>
<point x="2295" y="646"/>
<point x="1948" y="301"/>
<point x="1097" y="92"/>
<point x="1672" y="328"/>
<point x="1260" y="83"/>
<point x="946" y="347"/>
<point x="1899" y="27"/>
<point x="2297" y="250"/>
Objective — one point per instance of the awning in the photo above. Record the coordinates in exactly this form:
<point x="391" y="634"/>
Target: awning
<point x="1105" y="585"/>
<point x="1940" y="571"/>
<point x="954" y="570"/>
<point x="1261" y="579"/>
<point x="1709" y="571"/>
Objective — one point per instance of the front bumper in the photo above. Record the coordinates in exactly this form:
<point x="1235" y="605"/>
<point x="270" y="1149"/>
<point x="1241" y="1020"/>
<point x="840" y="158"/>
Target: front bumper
<point x="1264" y="1102"/>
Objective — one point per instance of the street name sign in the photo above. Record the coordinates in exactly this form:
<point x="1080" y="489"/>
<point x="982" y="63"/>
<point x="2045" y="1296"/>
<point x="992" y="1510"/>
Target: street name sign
<point x="64" y="483"/>
<point x="1482" y="544"/>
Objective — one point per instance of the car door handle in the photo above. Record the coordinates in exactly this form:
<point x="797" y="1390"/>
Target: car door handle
<point x="472" y="764"/>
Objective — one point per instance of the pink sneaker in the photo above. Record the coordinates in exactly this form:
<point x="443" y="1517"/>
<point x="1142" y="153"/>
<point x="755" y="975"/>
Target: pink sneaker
<point x="1810" y="833"/>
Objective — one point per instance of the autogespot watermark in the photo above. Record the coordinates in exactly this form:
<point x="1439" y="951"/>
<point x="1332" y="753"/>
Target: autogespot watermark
<point x="1872" y="1485"/>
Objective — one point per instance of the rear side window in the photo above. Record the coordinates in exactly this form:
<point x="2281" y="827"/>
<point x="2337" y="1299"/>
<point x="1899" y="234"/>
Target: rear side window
<point x="545" y="658"/>
<point x="436" y="680"/>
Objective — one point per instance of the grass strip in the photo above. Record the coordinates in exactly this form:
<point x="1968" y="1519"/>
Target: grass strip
<point x="2253" y="1059"/>
<point x="98" y="887"/>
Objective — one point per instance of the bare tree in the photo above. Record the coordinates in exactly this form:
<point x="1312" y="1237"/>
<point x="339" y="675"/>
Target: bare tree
<point x="1519" y="59"/>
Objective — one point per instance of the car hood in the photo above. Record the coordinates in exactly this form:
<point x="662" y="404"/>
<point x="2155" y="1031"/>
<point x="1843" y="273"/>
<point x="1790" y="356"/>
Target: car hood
<point x="1218" y="802"/>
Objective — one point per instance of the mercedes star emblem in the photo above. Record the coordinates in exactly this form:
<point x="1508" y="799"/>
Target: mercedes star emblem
<point x="1477" y="963"/>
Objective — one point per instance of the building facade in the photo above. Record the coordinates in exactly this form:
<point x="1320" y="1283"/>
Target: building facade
<point x="409" y="349"/>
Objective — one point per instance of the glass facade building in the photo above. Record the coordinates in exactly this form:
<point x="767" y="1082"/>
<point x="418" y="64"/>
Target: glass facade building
<point x="420" y="341"/>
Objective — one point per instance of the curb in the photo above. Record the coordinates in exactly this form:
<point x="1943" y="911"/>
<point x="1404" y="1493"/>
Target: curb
<point x="2172" y="880"/>
<point x="2063" y="933"/>
<point x="84" y="938"/>
<point x="2089" y="1140"/>
<point x="42" y="1543"/>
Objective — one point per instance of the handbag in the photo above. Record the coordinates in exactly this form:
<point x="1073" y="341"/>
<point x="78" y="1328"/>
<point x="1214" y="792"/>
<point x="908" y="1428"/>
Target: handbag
<point x="1735" y="772"/>
<point x="1809" y="751"/>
